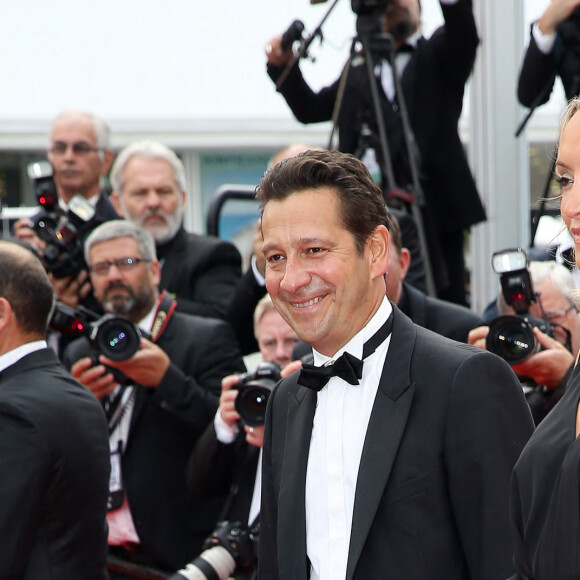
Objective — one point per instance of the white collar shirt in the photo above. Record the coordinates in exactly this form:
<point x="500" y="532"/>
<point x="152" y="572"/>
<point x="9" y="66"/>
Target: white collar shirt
<point x="13" y="356"/>
<point x="121" y="526"/>
<point x="338" y="434"/>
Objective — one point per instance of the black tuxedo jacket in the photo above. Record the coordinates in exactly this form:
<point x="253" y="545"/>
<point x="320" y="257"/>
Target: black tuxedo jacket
<point x="165" y="426"/>
<point x="447" y="426"/>
<point x="433" y="85"/>
<point x="444" y="318"/>
<point x="54" y="460"/>
<point x="200" y="271"/>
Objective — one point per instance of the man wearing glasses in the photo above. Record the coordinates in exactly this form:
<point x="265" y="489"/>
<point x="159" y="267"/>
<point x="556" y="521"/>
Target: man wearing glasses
<point x="556" y="303"/>
<point x="157" y="415"/>
<point x="80" y="155"/>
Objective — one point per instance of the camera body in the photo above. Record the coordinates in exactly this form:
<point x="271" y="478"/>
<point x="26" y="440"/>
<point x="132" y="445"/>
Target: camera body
<point x="362" y="7"/>
<point x="115" y="337"/>
<point x="62" y="232"/>
<point x="512" y="336"/>
<point x="254" y="391"/>
<point x="231" y="547"/>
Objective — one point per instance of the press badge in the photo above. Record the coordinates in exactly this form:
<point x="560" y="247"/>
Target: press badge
<point x="115" y="500"/>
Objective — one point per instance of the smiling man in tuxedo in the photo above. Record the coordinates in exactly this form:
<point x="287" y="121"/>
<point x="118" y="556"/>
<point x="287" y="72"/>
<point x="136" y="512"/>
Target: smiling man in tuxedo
<point x="393" y="460"/>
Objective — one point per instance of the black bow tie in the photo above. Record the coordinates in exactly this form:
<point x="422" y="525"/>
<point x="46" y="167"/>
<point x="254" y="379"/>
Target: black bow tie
<point x="406" y="48"/>
<point x="346" y="366"/>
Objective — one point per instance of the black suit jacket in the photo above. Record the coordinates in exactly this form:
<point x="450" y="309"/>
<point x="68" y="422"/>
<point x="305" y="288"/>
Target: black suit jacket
<point x="201" y="272"/>
<point x="447" y="426"/>
<point x="444" y="318"/>
<point x="217" y="468"/>
<point x="54" y="460"/>
<point x="165" y="426"/>
<point x="433" y="85"/>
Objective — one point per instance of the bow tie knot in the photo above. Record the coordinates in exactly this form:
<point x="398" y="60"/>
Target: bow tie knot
<point x="346" y="366"/>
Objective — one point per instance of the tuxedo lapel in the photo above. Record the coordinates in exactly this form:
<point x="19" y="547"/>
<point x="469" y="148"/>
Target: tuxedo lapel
<point x="291" y="508"/>
<point x="384" y="434"/>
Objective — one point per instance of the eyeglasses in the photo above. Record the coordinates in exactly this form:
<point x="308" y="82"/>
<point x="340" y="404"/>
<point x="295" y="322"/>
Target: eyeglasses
<point x="80" y="148"/>
<point x="553" y="316"/>
<point x="122" y="264"/>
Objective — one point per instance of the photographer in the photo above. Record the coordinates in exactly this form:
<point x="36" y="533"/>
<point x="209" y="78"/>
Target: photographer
<point x="80" y="155"/>
<point x="227" y="458"/>
<point x="433" y="73"/>
<point x="169" y="396"/>
<point x="551" y="366"/>
<point x="552" y="51"/>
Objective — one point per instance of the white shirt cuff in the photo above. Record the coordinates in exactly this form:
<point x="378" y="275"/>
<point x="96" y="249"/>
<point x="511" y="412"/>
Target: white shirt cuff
<point x="545" y="42"/>
<point x="259" y="278"/>
<point x="225" y="433"/>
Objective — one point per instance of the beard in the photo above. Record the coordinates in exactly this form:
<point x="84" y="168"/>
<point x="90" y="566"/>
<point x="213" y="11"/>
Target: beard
<point x="163" y="229"/>
<point x="129" y="304"/>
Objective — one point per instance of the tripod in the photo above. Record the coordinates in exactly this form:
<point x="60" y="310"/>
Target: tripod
<point x="377" y="46"/>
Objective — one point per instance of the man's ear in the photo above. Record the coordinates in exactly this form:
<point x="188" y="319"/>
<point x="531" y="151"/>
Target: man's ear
<point x="404" y="262"/>
<point x="155" y="272"/>
<point x="108" y="159"/>
<point x="6" y="314"/>
<point x="116" y="201"/>
<point x="378" y="246"/>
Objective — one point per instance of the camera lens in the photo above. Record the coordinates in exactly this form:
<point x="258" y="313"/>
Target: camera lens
<point x="116" y="338"/>
<point x="252" y="400"/>
<point x="512" y="338"/>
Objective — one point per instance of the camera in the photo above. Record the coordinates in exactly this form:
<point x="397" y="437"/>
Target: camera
<point x="232" y="546"/>
<point x="362" y="7"/>
<point x="62" y="232"/>
<point x="115" y="337"/>
<point x="254" y="391"/>
<point x="512" y="336"/>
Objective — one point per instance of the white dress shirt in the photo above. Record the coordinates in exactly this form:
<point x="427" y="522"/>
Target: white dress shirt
<point x="338" y="434"/>
<point x="121" y="526"/>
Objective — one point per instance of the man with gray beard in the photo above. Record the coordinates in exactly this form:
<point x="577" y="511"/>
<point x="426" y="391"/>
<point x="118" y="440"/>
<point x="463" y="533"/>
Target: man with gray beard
<point x="157" y="414"/>
<point x="149" y="189"/>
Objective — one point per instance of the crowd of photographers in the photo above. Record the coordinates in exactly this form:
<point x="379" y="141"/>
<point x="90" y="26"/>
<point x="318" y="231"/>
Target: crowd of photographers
<point x="154" y="320"/>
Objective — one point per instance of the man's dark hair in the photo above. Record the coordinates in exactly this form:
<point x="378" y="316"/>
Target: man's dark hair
<point x="362" y="207"/>
<point x="24" y="283"/>
<point x="395" y="232"/>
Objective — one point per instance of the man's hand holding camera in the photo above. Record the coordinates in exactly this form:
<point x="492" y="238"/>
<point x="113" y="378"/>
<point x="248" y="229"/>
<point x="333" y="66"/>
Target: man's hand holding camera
<point x="547" y="367"/>
<point x="229" y="414"/>
<point x="146" y="367"/>
<point x="71" y="289"/>
<point x="275" y="54"/>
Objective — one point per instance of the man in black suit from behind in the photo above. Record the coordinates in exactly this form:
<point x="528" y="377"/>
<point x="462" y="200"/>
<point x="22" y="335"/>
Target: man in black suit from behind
<point x="174" y="381"/>
<point x="149" y="188"/>
<point x="54" y="452"/>
<point x="433" y="73"/>
<point x="395" y="466"/>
